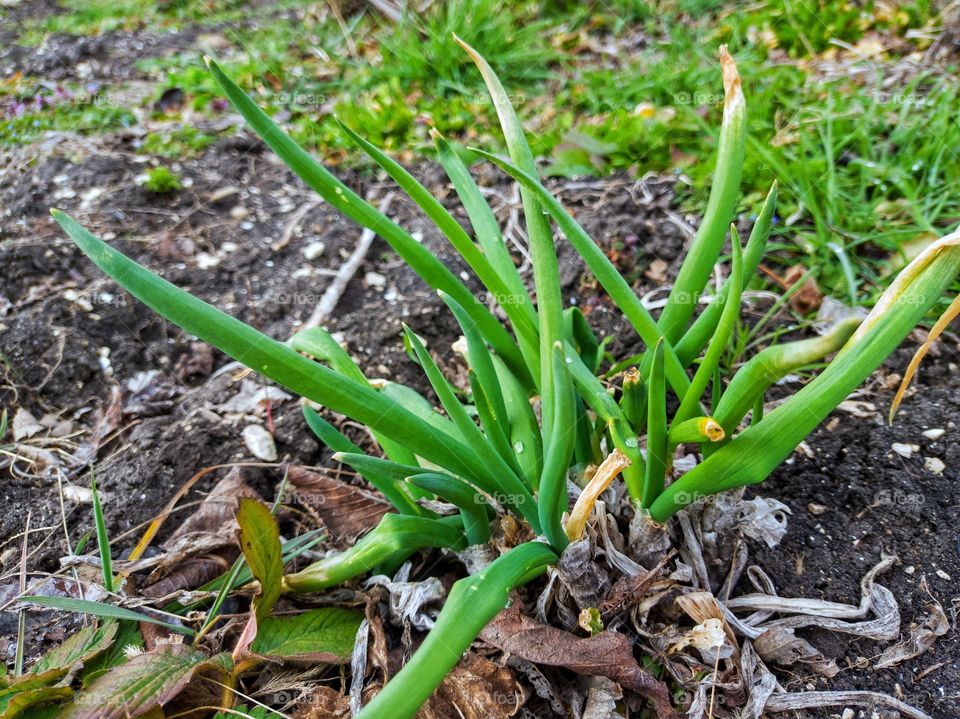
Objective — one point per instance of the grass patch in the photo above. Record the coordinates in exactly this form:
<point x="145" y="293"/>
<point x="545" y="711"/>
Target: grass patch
<point x="623" y="86"/>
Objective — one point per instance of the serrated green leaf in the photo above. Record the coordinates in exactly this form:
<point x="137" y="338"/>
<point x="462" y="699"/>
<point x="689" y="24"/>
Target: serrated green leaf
<point x="20" y="697"/>
<point x="260" y="543"/>
<point x="77" y="648"/>
<point x="317" y="635"/>
<point x="148" y="680"/>
<point x="128" y="635"/>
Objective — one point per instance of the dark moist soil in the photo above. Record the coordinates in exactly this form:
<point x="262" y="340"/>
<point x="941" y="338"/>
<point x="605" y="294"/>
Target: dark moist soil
<point x="878" y="502"/>
<point x="59" y="317"/>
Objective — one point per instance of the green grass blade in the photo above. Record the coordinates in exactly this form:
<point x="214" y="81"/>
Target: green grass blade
<point x="271" y="358"/>
<point x="724" y="190"/>
<point x="690" y="402"/>
<point x="342" y="198"/>
<point x="103" y="538"/>
<point x="101" y="609"/>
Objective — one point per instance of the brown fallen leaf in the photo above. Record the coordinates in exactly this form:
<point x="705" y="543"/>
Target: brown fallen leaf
<point x="323" y="703"/>
<point x="807" y="297"/>
<point x="607" y="654"/>
<point x="346" y="511"/>
<point x="475" y="689"/>
<point x="204" y="546"/>
<point x="657" y="271"/>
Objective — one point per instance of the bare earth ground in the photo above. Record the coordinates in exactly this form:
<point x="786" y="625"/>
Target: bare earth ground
<point x="73" y="347"/>
<point x="60" y="314"/>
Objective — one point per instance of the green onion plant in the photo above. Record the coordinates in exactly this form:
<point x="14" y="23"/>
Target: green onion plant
<point x="491" y="451"/>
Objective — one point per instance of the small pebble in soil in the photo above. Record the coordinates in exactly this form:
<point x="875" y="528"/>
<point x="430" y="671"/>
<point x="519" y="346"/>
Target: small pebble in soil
<point x="909" y="570"/>
<point x="314" y="250"/>
<point x="943" y="575"/>
<point x="260" y="443"/>
<point x="935" y="465"/>
<point x="104" y="360"/>
<point x="239" y="212"/>
<point x="205" y="260"/>
<point x="904" y="450"/>
<point x="375" y="279"/>
<point x="815" y="508"/>
<point x="934" y="433"/>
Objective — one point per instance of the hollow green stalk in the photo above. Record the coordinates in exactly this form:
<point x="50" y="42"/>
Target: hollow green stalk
<point x="593" y="392"/>
<point x="766" y="367"/>
<point x="521" y="314"/>
<point x="707" y="243"/>
<point x="657" y="459"/>
<point x="471" y="604"/>
<point x="696" y="338"/>
<point x="392" y="541"/>
<point x="342" y="198"/>
<point x="690" y="402"/>
<point x="474" y="509"/>
<point x="276" y="360"/>
<point x="753" y="454"/>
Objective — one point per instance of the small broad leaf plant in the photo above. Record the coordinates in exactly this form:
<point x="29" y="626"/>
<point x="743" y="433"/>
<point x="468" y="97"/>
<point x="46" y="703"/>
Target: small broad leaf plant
<point x="497" y="454"/>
